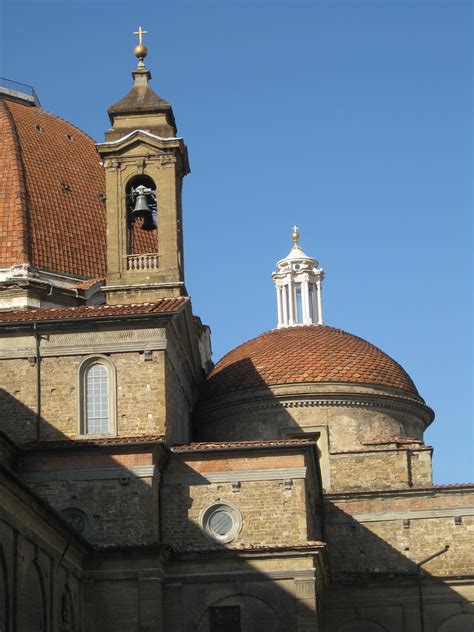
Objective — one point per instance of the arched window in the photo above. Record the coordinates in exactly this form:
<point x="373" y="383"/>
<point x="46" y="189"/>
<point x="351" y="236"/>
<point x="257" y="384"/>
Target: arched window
<point x="97" y="396"/>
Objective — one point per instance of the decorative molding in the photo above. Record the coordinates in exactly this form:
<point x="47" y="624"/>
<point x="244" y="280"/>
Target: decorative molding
<point x="402" y="516"/>
<point x="305" y="588"/>
<point x="155" y="574"/>
<point x="301" y="574"/>
<point x="103" y="473"/>
<point x="150" y="587"/>
<point x="239" y="476"/>
<point x="92" y="342"/>
<point x="111" y="143"/>
<point x="229" y="409"/>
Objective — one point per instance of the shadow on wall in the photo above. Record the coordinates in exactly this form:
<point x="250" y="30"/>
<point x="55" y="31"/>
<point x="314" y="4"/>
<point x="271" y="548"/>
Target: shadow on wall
<point x="109" y="493"/>
<point x="117" y="506"/>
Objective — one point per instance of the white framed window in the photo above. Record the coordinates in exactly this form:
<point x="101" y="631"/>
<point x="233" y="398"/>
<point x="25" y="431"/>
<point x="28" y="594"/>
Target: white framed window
<point x="97" y="396"/>
<point x="221" y="521"/>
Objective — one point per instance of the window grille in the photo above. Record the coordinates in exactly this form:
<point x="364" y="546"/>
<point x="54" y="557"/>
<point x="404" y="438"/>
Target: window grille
<point x="96" y="399"/>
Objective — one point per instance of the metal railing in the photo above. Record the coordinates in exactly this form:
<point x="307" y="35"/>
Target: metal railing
<point x="19" y="90"/>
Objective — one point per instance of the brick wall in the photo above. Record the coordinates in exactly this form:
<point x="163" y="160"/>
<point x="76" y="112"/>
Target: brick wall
<point x="140" y="396"/>
<point x="18" y="399"/>
<point x="380" y="469"/>
<point x="178" y="426"/>
<point x="391" y="533"/>
<point x="119" y="512"/>
<point x="121" y="506"/>
<point x="273" y="512"/>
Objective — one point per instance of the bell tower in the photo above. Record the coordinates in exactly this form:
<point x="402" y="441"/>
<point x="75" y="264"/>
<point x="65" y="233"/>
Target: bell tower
<point x="144" y="163"/>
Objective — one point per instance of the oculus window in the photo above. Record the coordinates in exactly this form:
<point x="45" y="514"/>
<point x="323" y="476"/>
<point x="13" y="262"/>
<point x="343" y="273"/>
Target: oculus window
<point x="221" y="522"/>
<point x="77" y="518"/>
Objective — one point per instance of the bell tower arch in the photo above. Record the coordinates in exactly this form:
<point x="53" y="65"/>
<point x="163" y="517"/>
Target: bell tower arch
<point x="144" y="162"/>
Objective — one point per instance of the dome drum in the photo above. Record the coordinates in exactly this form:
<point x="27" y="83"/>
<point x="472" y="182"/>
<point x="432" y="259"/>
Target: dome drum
<point x="352" y="415"/>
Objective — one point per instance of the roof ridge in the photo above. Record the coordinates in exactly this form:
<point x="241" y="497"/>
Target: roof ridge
<point x="21" y="199"/>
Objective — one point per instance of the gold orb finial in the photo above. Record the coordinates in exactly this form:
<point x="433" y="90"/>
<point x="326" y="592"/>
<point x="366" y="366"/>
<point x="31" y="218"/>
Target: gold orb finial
<point x="141" y="50"/>
<point x="295" y="236"/>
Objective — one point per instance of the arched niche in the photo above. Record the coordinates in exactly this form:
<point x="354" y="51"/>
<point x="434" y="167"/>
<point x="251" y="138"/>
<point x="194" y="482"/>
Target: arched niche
<point x="361" y="625"/>
<point x="141" y="241"/>
<point x="67" y="614"/>
<point x="459" y="623"/>
<point x="32" y="601"/>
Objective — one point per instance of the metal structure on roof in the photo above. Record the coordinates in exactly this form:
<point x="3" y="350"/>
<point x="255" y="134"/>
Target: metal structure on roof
<point x="20" y="91"/>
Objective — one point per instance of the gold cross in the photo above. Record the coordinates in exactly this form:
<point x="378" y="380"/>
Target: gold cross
<point x="295" y="228"/>
<point x="140" y="34"/>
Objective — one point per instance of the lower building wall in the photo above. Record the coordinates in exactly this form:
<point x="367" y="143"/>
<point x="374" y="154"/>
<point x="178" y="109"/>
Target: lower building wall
<point x="400" y="605"/>
<point x="40" y="567"/>
<point x="116" y="493"/>
<point x="392" y="533"/>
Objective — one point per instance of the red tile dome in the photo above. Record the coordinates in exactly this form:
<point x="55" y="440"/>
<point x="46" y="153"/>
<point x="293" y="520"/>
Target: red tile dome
<point x="52" y="214"/>
<point x="314" y="353"/>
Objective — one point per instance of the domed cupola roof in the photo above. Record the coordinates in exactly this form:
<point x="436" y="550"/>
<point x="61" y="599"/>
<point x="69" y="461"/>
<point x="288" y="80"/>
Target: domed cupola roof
<point x="52" y="215"/>
<point x="304" y="374"/>
<point x="305" y="354"/>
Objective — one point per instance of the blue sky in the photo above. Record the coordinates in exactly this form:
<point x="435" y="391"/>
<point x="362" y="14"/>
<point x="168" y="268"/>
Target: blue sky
<point x="352" y="119"/>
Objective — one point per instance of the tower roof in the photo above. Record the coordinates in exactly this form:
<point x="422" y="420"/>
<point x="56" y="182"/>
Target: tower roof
<point x="51" y="213"/>
<point x="141" y="99"/>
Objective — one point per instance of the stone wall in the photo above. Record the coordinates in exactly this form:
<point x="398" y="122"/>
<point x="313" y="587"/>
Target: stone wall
<point x="392" y="532"/>
<point x="18" y="399"/>
<point x="381" y="469"/>
<point x="117" y="492"/>
<point x="39" y="570"/>
<point x="271" y="492"/>
<point x="178" y="407"/>
<point x="397" y="605"/>
<point x="353" y="413"/>
<point x="146" y="385"/>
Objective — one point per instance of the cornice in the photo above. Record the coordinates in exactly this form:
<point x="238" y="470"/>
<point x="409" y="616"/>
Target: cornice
<point x="316" y="400"/>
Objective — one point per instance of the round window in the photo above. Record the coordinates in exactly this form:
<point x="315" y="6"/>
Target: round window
<point x="76" y="518"/>
<point x="221" y="521"/>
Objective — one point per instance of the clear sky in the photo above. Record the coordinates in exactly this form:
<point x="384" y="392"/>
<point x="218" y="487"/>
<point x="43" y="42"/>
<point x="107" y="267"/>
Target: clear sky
<point x="349" y="118"/>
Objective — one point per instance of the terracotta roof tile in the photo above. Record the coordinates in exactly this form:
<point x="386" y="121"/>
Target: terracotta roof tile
<point x="51" y="213"/>
<point x="164" y="305"/>
<point x="242" y="445"/>
<point x="88" y="283"/>
<point x="315" y="353"/>
<point x="229" y="549"/>
<point x="91" y="442"/>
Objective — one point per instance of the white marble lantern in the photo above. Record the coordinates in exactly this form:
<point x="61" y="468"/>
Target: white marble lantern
<point x="298" y="281"/>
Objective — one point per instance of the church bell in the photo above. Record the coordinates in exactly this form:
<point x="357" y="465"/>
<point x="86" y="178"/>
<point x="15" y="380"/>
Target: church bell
<point x="142" y="208"/>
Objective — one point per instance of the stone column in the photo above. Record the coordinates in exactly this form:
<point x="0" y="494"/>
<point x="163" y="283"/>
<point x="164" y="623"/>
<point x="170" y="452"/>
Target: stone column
<point x="320" y="303"/>
<point x="305" y="300"/>
<point x="306" y="607"/>
<point x="284" y="292"/>
<point x="150" y="605"/>
<point x="279" y="306"/>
